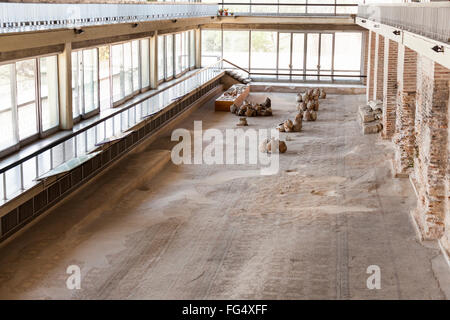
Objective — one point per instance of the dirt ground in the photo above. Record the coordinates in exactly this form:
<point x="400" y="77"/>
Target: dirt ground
<point x="228" y="232"/>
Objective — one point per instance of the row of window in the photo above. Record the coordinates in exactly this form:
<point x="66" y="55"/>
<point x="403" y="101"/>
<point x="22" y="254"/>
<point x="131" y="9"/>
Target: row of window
<point x="102" y="77"/>
<point x="176" y="54"/>
<point x="287" y="53"/>
<point x="29" y="100"/>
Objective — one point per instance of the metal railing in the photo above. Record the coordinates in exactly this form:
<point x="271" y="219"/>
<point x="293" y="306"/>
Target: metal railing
<point x="22" y="174"/>
<point x="22" y="17"/>
<point x="261" y="8"/>
<point x="431" y="20"/>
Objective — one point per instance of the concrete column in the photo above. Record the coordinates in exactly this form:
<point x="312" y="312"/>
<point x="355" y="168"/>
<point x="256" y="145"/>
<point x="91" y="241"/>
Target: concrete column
<point x="389" y="88"/>
<point x="378" y="68"/>
<point x="370" y="65"/>
<point x="430" y="165"/>
<point x="366" y="53"/>
<point x="65" y="87"/>
<point x="404" y="137"/>
<point x="198" y="48"/>
<point x="154" y="61"/>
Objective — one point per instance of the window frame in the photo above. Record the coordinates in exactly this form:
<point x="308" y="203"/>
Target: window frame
<point x="19" y="143"/>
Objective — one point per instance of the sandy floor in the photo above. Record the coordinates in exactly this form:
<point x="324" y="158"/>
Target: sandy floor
<point x="221" y="232"/>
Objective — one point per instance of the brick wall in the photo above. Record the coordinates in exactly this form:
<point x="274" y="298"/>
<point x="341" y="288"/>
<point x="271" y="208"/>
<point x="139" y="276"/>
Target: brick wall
<point x="378" y="68"/>
<point x="370" y="64"/>
<point x="404" y="138"/>
<point x="430" y="164"/>
<point x="389" y="88"/>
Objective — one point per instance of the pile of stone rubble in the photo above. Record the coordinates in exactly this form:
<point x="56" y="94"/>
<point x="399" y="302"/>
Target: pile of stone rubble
<point x="249" y="109"/>
<point x="370" y="116"/>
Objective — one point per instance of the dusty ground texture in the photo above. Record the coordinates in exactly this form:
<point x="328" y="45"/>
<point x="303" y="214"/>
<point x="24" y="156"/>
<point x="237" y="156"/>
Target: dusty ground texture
<point x="226" y="232"/>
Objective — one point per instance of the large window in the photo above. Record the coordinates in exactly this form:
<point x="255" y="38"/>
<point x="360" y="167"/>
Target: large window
<point x="211" y="46"/>
<point x="192" y="51"/>
<point x="176" y="54"/>
<point x="293" y="56"/>
<point x="169" y="56"/>
<point x="347" y="62"/>
<point x="29" y="104"/>
<point x="161" y="58"/>
<point x="263" y="51"/>
<point x="85" y="79"/>
<point x="104" y="74"/>
<point x="235" y="47"/>
<point x="130" y="68"/>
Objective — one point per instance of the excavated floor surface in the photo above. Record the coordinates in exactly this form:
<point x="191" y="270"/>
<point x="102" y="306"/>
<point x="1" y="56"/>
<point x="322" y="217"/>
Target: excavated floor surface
<point x="227" y="232"/>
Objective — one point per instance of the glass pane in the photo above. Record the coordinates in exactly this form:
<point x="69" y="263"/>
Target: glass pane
<point x="192" y="48"/>
<point x="105" y="94"/>
<point x="76" y="88"/>
<point x="7" y="138"/>
<point x="326" y="48"/>
<point x="345" y="59"/>
<point x="44" y="164"/>
<point x="185" y="44"/>
<point x="135" y="65"/>
<point x="211" y="46"/>
<point x="235" y="47"/>
<point x="12" y="182"/>
<point x="264" y="9"/>
<point x="284" y="53"/>
<point x="29" y="172"/>
<point x="118" y="72"/>
<point x="90" y="74"/>
<point x="264" y="51"/>
<point x="160" y="57"/>
<point x="348" y="9"/>
<point x="312" y="54"/>
<point x="145" y="63"/>
<point x="26" y="98"/>
<point x="178" y="53"/>
<point x="128" y="67"/>
<point x="49" y="92"/>
<point x="298" y="54"/>
<point x="326" y="7"/>
<point x="27" y="120"/>
<point x="294" y="9"/>
<point x="169" y="56"/>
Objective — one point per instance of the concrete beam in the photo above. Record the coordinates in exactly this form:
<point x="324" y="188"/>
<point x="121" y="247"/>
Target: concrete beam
<point x="422" y="45"/>
<point x="113" y="32"/>
<point x="287" y="27"/>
